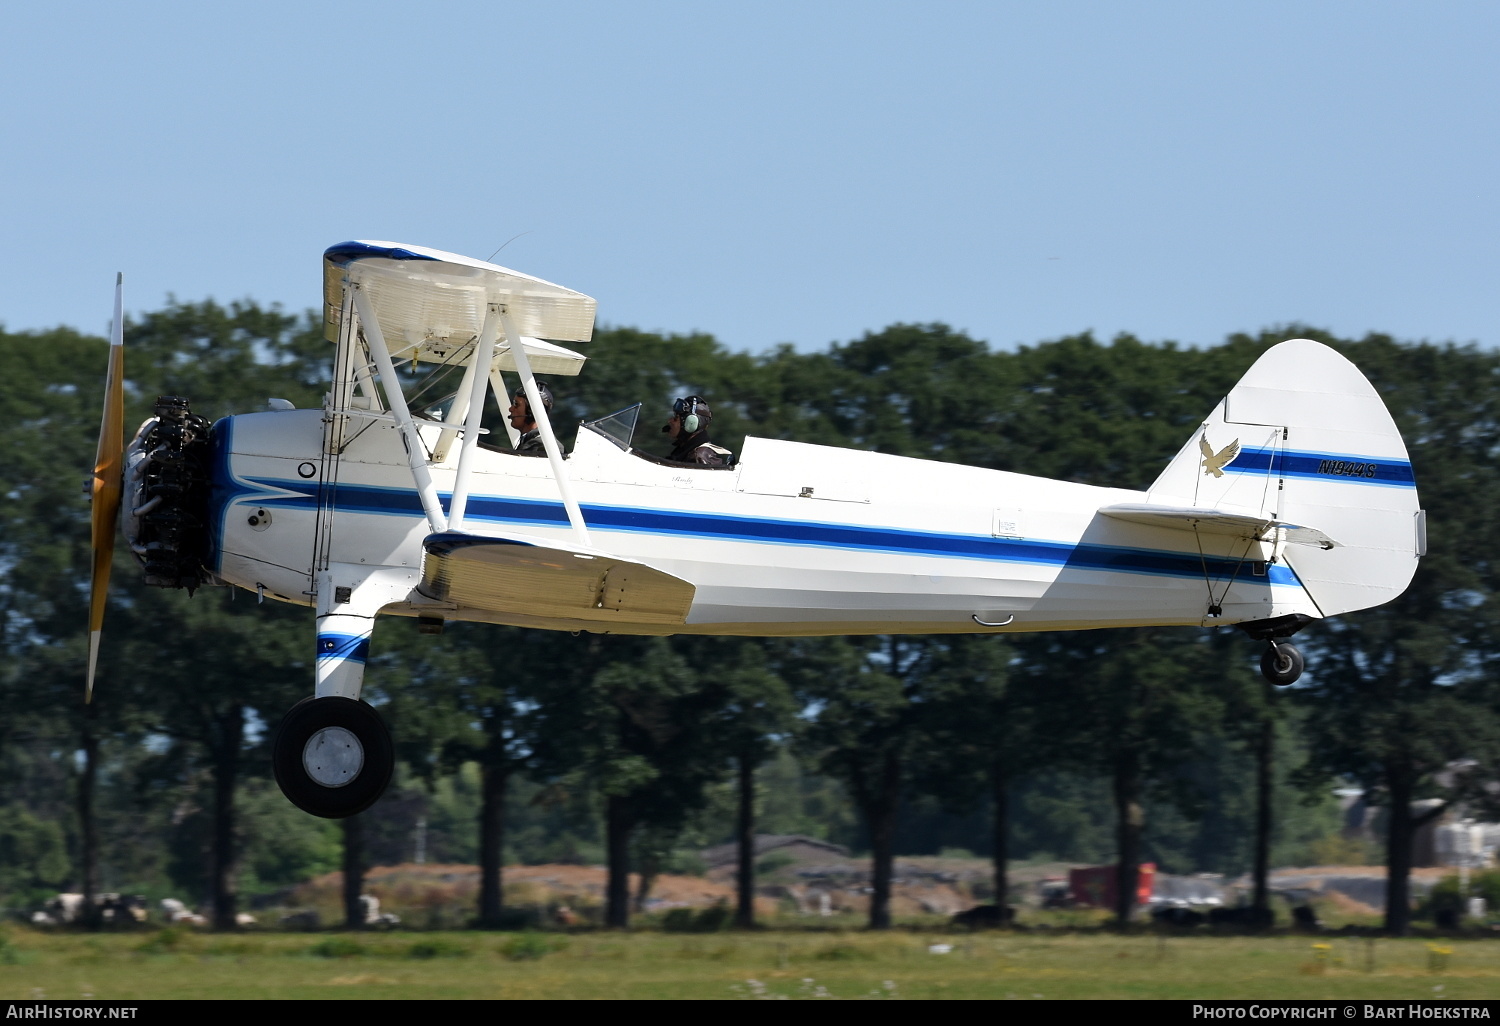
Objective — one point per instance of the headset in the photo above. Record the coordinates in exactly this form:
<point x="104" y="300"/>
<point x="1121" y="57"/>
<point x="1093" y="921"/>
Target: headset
<point x="694" y="413"/>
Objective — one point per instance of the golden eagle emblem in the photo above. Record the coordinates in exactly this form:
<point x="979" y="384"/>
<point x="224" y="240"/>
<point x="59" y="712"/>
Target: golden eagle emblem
<point x="1214" y="462"/>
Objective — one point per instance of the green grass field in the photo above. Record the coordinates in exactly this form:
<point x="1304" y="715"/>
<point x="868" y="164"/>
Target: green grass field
<point x="850" y="965"/>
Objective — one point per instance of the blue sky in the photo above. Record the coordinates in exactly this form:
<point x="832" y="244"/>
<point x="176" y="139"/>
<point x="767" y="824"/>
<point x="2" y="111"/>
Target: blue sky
<point x="774" y="172"/>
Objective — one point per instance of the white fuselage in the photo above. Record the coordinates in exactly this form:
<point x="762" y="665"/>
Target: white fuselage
<point x="796" y="539"/>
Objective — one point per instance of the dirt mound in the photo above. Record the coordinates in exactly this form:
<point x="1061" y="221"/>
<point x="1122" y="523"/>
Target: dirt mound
<point x="1347" y="906"/>
<point x="442" y="894"/>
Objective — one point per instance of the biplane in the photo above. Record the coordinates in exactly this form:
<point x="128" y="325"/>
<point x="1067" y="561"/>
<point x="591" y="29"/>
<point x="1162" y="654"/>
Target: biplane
<point x="1293" y="501"/>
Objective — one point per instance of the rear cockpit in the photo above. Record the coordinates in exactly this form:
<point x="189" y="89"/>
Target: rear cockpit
<point x="619" y="428"/>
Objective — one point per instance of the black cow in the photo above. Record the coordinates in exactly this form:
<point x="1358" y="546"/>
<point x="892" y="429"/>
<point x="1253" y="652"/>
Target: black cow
<point x="1304" y="918"/>
<point x="985" y="917"/>
<point x="1247" y="916"/>
<point x="1177" y="915"/>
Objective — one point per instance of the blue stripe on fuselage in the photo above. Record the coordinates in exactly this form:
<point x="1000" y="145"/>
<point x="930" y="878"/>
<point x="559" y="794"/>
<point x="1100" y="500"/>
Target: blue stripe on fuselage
<point x="511" y="512"/>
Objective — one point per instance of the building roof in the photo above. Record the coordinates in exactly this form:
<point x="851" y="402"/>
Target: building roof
<point x="727" y="854"/>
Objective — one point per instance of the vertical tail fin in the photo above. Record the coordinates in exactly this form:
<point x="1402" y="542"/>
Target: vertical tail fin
<point x="1304" y="438"/>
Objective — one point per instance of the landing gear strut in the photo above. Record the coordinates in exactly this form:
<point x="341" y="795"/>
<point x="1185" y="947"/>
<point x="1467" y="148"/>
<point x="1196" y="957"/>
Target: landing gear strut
<point x="333" y="756"/>
<point x="1281" y="664"/>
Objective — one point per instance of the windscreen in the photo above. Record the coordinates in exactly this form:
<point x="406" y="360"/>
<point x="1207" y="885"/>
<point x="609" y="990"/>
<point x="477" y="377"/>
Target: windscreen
<point x="618" y="427"/>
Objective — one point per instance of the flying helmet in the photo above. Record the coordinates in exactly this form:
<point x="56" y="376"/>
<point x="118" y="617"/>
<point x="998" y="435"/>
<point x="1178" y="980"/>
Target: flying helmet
<point x="542" y="390"/>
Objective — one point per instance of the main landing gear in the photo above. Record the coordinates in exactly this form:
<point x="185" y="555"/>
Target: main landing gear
<point x="1281" y="663"/>
<point x="333" y="756"/>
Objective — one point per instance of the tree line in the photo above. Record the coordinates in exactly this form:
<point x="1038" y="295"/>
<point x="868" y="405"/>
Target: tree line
<point x="1117" y="744"/>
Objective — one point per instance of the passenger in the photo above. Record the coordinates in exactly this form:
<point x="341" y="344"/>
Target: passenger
<point x="530" y="443"/>
<point x="689" y="430"/>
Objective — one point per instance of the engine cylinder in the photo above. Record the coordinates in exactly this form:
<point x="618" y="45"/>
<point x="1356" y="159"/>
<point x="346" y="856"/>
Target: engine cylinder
<point x="166" y="489"/>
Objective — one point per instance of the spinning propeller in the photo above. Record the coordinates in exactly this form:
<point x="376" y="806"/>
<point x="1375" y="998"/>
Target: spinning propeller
<point x="108" y="482"/>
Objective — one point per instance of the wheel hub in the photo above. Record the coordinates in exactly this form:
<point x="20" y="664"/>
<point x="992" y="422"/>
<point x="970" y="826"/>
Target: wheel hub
<point x="333" y="757"/>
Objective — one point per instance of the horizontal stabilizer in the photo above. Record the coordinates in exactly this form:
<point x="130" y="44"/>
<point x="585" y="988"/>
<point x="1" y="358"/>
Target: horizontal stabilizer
<point x="514" y="574"/>
<point x="1217" y="521"/>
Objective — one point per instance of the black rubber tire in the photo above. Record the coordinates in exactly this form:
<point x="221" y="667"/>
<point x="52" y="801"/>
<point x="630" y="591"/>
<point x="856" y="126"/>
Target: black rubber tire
<point x="1281" y="665"/>
<point x="299" y="725"/>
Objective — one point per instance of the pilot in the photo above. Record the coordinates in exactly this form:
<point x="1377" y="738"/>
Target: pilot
<point x="689" y="430"/>
<point x="530" y="443"/>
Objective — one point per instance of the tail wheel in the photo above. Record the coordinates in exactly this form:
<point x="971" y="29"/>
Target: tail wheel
<point x="333" y="756"/>
<point x="1281" y="664"/>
